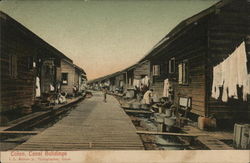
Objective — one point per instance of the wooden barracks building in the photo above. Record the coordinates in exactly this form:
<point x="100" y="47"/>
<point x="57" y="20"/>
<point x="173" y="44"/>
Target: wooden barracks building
<point x="206" y="61"/>
<point x="30" y="67"/>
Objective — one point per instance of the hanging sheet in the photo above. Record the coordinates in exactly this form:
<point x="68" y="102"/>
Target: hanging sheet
<point x="166" y="88"/>
<point x="230" y="73"/>
<point x="38" y="89"/>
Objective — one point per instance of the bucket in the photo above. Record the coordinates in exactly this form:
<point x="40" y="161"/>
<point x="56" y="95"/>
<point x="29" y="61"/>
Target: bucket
<point x="130" y="94"/>
<point x="168" y="112"/>
<point x="170" y="121"/>
<point x="159" y="117"/>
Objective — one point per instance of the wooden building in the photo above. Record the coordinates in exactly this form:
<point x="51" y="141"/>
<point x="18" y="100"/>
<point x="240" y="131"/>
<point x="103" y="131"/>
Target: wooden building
<point x="24" y="56"/>
<point x="17" y="71"/>
<point x="80" y="79"/>
<point x="68" y="74"/>
<point x="187" y="55"/>
<point x="30" y="67"/>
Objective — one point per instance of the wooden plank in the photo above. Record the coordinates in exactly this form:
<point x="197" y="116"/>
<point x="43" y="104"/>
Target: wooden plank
<point x="20" y="132"/>
<point x="169" y="133"/>
<point x="137" y="111"/>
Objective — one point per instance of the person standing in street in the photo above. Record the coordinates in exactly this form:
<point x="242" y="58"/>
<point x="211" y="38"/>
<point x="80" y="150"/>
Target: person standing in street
<point x="105" y="91"/>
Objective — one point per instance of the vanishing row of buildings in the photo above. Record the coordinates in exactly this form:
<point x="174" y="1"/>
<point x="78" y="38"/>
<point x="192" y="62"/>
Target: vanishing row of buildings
<point x="204" y="60"/>
<point x="31" y="68"/>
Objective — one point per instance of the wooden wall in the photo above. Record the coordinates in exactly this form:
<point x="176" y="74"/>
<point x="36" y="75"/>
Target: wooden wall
<point x="142" y="69"/>
<point x="119" y="78"/>
<point x="67" y="67"/>
<point x="76" y="78"/>
<point x="191" y="45"/>
<point x="157" y="82"/>
<point x="227" y="29"/>
<point x="130" y="78"/>
<point x="19" y="91"/>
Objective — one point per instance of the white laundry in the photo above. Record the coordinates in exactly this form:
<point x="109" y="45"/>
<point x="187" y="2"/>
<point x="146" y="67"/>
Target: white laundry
<point x="232" y="87"/>
<point x="166" y="88"/>
<point x="217" y="82"/>
<point x="145" y="81"/>
<point x="38" y="90"/>
<point x="52" y="88"/>
<point x="180" y="73"/>
<point x="226" y="78"/>
<point x="137" y="83"/>
<point x="230" y="73"/>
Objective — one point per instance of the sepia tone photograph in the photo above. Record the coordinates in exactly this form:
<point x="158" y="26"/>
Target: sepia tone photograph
<point x="142" y="76"/>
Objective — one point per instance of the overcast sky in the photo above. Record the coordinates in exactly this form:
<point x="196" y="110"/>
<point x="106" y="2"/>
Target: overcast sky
<point x="102" y="36"/>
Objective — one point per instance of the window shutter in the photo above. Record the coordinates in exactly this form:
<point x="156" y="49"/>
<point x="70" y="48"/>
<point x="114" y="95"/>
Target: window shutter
<point x="180" y="71"/>
<point x="171" y="65"/>
<point x="156" y="70"/>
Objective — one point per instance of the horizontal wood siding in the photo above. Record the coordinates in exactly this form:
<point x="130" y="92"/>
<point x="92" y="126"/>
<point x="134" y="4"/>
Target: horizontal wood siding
<point x="19" y="91"/>
<point x="76" y="79"/>
<point x="227" y="29"/>
<point x="142" y="69"/>
<point x="119" y="78"/>
<point x="190" y="45"/>
<point x="68" y="68"/>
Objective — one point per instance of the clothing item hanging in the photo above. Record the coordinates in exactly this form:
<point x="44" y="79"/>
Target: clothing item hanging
<point x="137" y="83"/>
<point x="230" y="73"/>
<point x="166" y="88"/>
<point x="38" y="89"/>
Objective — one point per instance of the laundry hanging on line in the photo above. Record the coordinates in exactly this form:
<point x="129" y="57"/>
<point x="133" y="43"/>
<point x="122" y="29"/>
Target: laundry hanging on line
<point x="230" y="73"/>
<point x="166" y="88"/>
<point x="38" y="89"/>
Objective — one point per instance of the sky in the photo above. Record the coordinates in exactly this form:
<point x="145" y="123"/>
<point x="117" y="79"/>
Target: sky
<point x="104" y="36"/>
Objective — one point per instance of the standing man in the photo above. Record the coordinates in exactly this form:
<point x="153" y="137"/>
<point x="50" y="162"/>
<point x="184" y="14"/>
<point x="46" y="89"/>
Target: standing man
<point x="105" y="91"/>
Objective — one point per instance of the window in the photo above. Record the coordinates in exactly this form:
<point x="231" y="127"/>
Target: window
<point x="13" y="66"/>
<point x="183" y="72"/>
<point x="65" y="78"/>
<point x="156" y="70"/>
<point x="171" y="64"/>
<point x="31" y="63"/>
